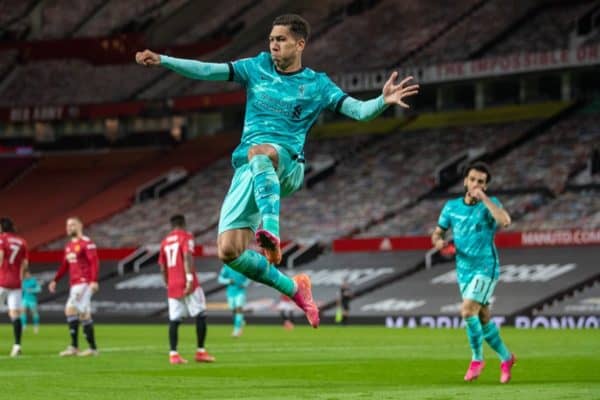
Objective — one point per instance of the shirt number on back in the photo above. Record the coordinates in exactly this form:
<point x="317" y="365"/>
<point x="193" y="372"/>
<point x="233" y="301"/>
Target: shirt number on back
<point x="171" y="250"/>
<point x="14" y="250"/>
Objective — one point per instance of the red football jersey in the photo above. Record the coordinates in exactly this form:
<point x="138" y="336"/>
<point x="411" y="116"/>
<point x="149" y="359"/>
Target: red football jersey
<point x="172" y="249"/>
<point x="81" y="260"/>
<point x="15" y="252"/>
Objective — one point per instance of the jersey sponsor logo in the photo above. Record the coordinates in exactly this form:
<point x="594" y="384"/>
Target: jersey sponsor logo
<point x="518" y="273"/>
<point x="394" y="305"/>
<point x="71" y="257"/>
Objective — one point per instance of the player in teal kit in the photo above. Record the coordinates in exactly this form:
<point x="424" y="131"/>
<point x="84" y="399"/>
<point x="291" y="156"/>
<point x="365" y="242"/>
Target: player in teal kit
<point x="31" y="288"/>
<point x="236" y="296"/>
<point x="474" y="219"/>
<point x="283" y="101"/>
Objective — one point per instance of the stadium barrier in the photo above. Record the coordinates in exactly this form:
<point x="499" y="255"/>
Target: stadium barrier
<point x="563" y="237"/>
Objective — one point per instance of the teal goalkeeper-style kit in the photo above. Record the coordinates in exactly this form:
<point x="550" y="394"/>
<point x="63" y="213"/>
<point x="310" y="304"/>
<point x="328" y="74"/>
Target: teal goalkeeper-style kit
<point x="477" y="262"/>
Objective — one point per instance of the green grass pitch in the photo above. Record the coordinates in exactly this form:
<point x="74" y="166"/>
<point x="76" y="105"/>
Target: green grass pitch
<point x="355" y="362"/>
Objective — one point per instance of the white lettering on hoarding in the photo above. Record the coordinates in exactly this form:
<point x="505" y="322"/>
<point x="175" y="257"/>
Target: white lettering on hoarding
<point x="487" y="67"/>
<point x="517" y="273"/>
<point x="561" y="237"/>
<point x="394" y="305"/>
<point x="426" y="321"/>
<point x="42" y="113"/>
<point x="354" y="276"/>
<point x="563" y="322"/>
<point x="520" y="322"/>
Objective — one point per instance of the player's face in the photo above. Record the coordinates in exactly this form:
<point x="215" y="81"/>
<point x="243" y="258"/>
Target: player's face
<point x="475" y="179"/>
<point x="285" y="49"/>
<point x="73" y="227"/>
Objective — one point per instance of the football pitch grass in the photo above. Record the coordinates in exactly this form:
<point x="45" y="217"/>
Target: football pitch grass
<point x="355" y="362"/>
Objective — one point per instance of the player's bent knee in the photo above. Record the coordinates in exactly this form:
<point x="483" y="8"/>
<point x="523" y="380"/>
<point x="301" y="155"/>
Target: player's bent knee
<point x="85" y="317"/>
<point x="469" y="309"/>
<point x="266" y="150"/>
<point x="485" y="315"/>
<point x="228" y="252"/>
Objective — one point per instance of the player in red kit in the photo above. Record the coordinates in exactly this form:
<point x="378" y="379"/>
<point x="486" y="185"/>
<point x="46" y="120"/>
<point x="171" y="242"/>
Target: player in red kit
<point x="185" y="296"/>
<point x="13" y="264"/>
<point x="81" y="261"/>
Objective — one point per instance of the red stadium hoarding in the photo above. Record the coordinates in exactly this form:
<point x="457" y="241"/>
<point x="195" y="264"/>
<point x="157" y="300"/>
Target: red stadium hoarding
<point x="563" y="237"/>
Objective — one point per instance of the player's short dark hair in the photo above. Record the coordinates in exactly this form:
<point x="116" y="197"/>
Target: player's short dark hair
<point x="178" y="221"/>
<point x="299" y="27"/>
<point x="479" y="166"/>
<point x="6" y="224"/>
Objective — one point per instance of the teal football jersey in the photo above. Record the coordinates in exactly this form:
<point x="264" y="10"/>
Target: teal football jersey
<point x="281" y="108"/>
<point x="473" y="229"/>
<point x="31" y="288"/>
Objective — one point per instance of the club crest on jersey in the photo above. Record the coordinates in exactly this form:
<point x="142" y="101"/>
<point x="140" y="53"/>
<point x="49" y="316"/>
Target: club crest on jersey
<point x="77" y="248"/>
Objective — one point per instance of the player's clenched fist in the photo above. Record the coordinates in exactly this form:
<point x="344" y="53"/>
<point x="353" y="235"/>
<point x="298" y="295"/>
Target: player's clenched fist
<point x="147" y="58"/>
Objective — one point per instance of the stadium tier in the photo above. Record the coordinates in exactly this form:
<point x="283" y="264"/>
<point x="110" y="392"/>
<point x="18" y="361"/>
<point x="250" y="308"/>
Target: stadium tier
<point x="550" y="27"/>
<point x="570" y="210"/>
<point x="549" y="159"/>
<point x="104" y="184"/>
<point x="482" y="24"/>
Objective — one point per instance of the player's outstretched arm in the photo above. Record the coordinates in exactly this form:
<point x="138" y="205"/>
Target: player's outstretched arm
<point x="391" y="94"/>
<point x="193" y="69"/>
<point x="395" y="94"/>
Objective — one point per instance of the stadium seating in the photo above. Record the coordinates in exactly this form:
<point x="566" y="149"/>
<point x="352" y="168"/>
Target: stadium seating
<point x="570" y="210"/>
<point x="114" y="15"/>
<point x="550" y="158"/>
<point x="11" y="167"/>
<point x="61" y="17"/>
<point x="392" y="166"/>
<point x="468" y="35"/>
<point x="73" y="82"/>
<point x="346" y="47"/>
<point x="62" y="182"/>
<point x="96" y="186"/>
<point x="549" y="29"/>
